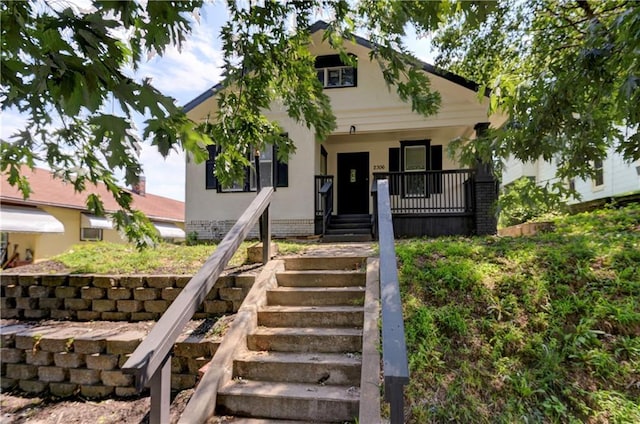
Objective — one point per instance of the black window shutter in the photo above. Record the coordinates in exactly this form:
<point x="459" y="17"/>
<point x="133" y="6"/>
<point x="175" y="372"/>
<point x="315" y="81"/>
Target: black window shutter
<point x="436" y="165"/>
<point x="394" y="166"/>
<point x="211" y="182"/>
<point x="280" y="170"/>
<point x="436" y="158"/>
<point x="394" y="159"/>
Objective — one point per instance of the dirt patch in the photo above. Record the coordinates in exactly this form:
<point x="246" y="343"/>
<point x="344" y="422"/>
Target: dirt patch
<point x="16" y="408"/>
<point x="44" y="267"/>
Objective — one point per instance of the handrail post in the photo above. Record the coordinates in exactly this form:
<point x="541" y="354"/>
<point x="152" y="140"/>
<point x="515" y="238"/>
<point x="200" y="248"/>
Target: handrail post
<point x="160" y="388"/>
<point x="266" y="236"/>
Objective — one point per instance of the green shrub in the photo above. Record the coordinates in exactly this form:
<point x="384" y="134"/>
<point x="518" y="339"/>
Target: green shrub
<point x="524" y="200"/>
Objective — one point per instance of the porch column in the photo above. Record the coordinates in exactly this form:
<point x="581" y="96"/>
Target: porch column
<point x="486" y="192"/>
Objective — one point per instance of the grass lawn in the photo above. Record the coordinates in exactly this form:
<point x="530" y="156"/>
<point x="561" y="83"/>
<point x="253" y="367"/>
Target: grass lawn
<point x="113" y="258"/>
<point x="530" y="329"/>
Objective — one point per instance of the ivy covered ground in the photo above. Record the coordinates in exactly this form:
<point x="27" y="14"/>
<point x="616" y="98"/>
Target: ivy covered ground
<point x="531" y="329"/>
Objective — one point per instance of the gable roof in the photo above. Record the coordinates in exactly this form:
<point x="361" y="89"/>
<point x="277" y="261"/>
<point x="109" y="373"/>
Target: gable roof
<point x="48" y="190"/>
<point x="321" y="26"/>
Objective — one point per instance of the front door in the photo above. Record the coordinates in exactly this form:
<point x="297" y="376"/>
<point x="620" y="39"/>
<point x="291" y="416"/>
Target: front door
<point x="353" y="183"/>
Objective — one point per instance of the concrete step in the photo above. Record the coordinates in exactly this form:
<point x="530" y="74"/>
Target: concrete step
<point x="314" y="368"/>
<point x="346" y="238"/>
<point x="311" y="316"/>
<point x="347" y="225"/>
<point x="327" y="278"/>
<point x="316" y="296"/>
<point x="293" y="401"/>
<point x="351" y="218"/>
<point x="287" y="339"/>
<point x="341" y="231"/>
<point x="245" y="420"/>
<point x="318" y="263"/>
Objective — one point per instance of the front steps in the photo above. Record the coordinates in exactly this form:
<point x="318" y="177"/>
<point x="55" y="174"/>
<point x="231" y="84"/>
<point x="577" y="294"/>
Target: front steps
<point x="348" y="228"/>
<point x="303" y="361"/>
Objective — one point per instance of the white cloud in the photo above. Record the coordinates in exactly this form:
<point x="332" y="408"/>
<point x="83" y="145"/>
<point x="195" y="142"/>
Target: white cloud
<point x="10" y="121"/>
<point x="196" y="67"/>
<point x="164" y="176"/>
<point x="183" y="75"/>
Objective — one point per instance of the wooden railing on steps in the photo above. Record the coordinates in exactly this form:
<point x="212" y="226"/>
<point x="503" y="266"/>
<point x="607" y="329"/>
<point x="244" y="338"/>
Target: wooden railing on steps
<point x="394" y="347"/>
<point x="151" y="361"/>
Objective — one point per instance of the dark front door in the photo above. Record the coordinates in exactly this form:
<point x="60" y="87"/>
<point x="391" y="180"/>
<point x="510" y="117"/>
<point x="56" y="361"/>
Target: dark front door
<point x="353" y="183"/>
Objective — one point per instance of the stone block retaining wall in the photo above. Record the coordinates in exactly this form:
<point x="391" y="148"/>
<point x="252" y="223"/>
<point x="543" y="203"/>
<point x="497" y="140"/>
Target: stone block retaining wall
<point x="65" y="361"/>
<point x="84" y="356"/>
<point x="110" y="298"/>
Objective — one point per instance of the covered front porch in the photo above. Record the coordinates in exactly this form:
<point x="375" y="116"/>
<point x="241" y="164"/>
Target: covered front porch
<point x="431" y="194"/>
<point x="431" y="203"/>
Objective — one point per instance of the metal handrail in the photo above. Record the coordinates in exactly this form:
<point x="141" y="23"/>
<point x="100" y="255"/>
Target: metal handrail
<point x="445" y="192"/>
<point x="326" y="191"/>
<point x="151" y="361"/>
<point x="394" y="347"/>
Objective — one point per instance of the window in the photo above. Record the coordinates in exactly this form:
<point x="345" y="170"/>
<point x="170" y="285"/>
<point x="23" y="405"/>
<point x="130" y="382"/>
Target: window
<point x="90" y="234"/>
<point x="598" y="179"/>
<point x="333" y="72"/>
<point x="416" y="157"/>
<point x="271" y="169"/>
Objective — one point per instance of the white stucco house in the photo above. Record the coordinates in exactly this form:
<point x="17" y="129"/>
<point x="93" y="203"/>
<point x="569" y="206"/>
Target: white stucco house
<point x="377" y="136"/>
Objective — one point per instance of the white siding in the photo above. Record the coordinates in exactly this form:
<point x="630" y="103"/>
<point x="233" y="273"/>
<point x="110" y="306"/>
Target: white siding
<point x="514" y="169"/>
<point x="619" y="177"/>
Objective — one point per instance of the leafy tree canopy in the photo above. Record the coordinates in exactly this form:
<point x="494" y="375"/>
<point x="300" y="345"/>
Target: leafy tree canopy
<point x="63" y="66"/>
<point x="567" y="72"/>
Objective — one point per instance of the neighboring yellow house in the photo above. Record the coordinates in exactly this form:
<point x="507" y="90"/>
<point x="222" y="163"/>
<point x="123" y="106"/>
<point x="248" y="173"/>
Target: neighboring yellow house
<point x="377" y="136"/>
<point x="55" y="216"/>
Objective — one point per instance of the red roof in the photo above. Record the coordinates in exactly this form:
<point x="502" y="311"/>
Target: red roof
<point x="47" y="190"/>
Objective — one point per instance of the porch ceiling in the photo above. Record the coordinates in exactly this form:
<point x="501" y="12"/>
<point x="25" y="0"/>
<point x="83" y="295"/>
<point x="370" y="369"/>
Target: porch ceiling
<point x="437" y="134"/>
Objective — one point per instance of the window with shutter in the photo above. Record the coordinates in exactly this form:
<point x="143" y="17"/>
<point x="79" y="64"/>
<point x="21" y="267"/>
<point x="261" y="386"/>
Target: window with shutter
<point x="271" y="169"/>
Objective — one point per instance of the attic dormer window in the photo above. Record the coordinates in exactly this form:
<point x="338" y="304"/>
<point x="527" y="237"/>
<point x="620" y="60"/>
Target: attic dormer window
<point x="334" y="73"/>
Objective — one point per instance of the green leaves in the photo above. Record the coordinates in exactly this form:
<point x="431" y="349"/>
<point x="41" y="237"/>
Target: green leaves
<point x="63" y="67"/>
<point x="566" y="73"/>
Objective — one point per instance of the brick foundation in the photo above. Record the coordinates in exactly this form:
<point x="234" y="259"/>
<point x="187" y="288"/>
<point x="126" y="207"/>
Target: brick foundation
<point x="216" y="230"/>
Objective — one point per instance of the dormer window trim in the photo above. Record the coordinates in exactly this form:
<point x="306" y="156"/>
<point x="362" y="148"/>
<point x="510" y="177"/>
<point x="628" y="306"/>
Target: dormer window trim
<point x="334" y="73"/>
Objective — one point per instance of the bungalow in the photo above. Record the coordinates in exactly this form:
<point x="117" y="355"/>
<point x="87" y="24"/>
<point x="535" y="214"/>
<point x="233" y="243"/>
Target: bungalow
<point x="55" y="217"/>
<point x="326" y="186"/>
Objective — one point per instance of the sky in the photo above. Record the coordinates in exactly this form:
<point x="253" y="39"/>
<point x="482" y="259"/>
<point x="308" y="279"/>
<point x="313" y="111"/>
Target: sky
<point x="184" y="75"/>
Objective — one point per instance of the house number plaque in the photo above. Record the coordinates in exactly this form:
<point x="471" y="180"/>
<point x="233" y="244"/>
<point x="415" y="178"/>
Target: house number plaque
<point x="352" y="176"/>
